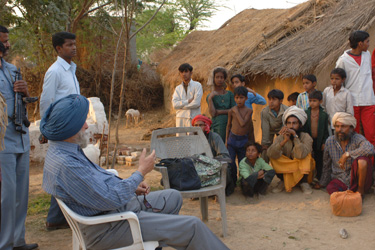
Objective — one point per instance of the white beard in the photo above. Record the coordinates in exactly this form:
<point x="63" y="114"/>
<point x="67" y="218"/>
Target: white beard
<point x="82" y="139"/>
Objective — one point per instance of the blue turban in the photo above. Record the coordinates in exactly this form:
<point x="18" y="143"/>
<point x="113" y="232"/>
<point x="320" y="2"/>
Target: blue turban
<point x="64" y="118"/>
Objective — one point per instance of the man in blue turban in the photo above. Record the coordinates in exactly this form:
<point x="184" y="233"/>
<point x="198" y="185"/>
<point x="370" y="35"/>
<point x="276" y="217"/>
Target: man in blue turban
<point x="90" y="190"/>
<point x="64" y="118"/>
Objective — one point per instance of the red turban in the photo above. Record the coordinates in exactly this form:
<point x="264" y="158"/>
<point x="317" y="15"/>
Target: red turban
<point x="204" y="119"/>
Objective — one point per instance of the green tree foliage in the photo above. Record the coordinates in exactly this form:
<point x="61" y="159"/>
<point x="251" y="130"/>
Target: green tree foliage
<point x="163" y="32"/>
<point x="196" y="11"/>
<point x="30" y="35"/>
<point x="172" y="24"/>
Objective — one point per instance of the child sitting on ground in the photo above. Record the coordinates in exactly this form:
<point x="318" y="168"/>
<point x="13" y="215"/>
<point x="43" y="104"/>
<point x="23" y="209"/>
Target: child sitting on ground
<point x="337" y="98"/>
<point x="252" y="97"/>
<point x="317" y="127"/>
<point x="292" y="98"/>
<point x="255" y="173"/>
<point x="271" y="119"/>
<point x="240" y="130"/>
<point x="309" y="83"/>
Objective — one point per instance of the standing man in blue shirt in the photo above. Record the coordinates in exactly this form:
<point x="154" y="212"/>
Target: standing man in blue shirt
<point x="14" y="161"/>
<point x="60" y="81"/>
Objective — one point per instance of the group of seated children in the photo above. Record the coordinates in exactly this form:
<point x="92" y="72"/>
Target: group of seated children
<point x="294" y="138"/>
<point x="296" y="154"/>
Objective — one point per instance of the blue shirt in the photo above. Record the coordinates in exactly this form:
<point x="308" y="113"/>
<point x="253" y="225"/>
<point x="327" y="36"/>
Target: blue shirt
<point x="60" y="81"/>
<point x="15" y="142"/>
<point x="257" y="99"/>
<point x="85" y="187"/>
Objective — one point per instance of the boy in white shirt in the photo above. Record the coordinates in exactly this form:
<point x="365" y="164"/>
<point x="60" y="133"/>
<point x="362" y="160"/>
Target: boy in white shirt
<point x="357" y="64"/>
<point x="187" y="97"/>
<point x="337" y="98"/>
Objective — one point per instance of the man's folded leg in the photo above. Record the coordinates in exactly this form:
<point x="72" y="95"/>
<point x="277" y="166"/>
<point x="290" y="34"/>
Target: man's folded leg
<point x="170" y="229"/>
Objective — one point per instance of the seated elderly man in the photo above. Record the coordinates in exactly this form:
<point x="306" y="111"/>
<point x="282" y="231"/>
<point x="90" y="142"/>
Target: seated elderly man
<point x="290" y="154"/>
<point x="219" y="151"/>
<point x="90" y="190"/>
<point x="345" y="162"/>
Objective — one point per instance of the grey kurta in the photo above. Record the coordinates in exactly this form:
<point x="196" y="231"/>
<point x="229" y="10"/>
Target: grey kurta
<point x="271" y="125"/>
<point x="217" y="146"/>
<point x="299" y="148"/>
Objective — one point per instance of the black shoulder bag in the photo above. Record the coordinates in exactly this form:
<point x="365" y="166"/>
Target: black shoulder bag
<point x="182" y="174"/>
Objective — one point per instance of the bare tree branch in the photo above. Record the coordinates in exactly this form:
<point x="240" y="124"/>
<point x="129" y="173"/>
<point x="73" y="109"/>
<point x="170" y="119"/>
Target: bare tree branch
<point x="146" y="23"/>
<point x="96" y="8"/>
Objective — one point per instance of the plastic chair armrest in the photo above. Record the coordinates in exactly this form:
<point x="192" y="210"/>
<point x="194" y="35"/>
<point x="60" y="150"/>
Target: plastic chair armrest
<point x="165" y="177"/>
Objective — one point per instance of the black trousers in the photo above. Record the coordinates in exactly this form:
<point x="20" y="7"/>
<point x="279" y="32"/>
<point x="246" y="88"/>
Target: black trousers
<point x="318" y="157"/>
<point x="252" y="185"/>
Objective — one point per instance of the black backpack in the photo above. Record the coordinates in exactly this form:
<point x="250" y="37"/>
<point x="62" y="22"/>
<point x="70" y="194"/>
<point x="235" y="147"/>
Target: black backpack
<point x="182" y="174"/>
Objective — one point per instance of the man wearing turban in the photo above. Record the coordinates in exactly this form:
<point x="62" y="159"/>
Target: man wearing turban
<point x="90" y="190"/>
<point x="216" y="143"/>
<point x="345" y="162"/>
<point x="290" y="154"/>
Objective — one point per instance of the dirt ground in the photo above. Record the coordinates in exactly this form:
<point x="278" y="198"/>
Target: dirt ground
<point x="274" y="221"/>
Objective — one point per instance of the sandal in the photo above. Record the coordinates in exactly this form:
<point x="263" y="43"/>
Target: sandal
<point x="316" y="186"/>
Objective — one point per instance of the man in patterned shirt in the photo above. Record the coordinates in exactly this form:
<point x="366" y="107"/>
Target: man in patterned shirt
<point x="90" y="190"/>
<point x="345" y="162"/>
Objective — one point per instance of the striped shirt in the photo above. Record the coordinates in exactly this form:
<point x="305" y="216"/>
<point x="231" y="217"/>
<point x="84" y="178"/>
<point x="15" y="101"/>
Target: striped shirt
<point x="357" y="146"/>
<point x="303" y="101"/>
<point x="85" y="187"/>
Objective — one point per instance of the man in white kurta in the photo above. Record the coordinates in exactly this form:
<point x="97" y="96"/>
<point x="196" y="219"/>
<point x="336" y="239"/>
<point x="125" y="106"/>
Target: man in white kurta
<point x="60" y="81"/>
<point x="187" y="97"/>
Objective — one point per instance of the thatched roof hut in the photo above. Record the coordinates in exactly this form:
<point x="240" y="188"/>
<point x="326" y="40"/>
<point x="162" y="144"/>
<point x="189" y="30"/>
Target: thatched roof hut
<point x="272" y="48"/>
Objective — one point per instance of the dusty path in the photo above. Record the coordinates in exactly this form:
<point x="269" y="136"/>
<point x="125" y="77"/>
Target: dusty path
<point x="276" y="221"/>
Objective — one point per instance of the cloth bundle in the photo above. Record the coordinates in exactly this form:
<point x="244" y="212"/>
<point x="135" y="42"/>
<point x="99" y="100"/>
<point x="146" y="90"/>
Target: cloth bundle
<point x="347" y="203"/>
<point x="208" y="170"/>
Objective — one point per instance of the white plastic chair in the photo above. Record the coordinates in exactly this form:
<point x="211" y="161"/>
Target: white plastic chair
<point x="187" y="141"/>
<point x="77" y="237"/>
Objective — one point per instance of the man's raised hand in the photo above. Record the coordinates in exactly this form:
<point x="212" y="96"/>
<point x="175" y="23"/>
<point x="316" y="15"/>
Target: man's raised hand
<point x="146" y="163"/>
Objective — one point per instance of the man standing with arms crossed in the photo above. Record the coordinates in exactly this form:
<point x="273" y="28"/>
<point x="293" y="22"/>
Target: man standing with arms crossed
<point x="187" y="97"/>
<point x="60" y="81"/>
<point x="14" y="161"/>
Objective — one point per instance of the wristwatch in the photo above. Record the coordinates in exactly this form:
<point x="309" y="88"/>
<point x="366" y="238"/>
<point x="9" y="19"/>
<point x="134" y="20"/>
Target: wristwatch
<point x="347" y="154"/>
<point x="296" y="136"/>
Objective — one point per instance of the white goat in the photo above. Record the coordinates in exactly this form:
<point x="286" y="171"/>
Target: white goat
<point x="132" y="116"/>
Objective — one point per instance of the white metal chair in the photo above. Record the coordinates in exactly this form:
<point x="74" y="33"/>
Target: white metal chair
<point x="77" y="237"/>
<point x="187" y="141"/>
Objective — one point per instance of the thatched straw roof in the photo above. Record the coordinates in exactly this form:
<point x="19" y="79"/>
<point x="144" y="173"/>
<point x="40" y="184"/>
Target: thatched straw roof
<point x="280" y="43"/>
<point x="206" y="49"/>
<point x="316" y="46"/>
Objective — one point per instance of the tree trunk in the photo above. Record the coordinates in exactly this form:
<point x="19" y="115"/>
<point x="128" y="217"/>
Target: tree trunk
<point x="111" y="96"/>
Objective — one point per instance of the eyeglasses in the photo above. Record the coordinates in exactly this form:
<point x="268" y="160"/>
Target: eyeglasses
<point x="148" y="205"/>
